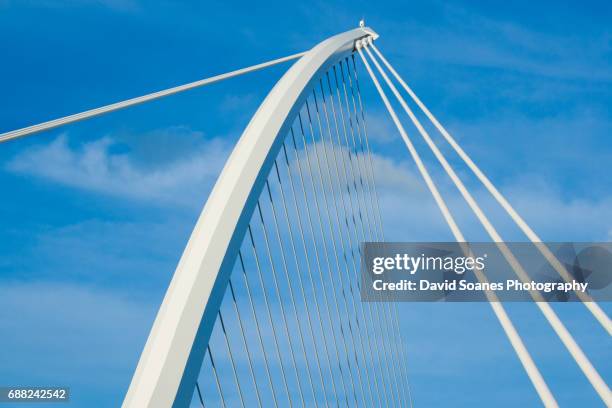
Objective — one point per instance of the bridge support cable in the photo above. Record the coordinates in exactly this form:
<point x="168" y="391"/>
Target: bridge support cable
<point x="317" y="255"/>
<point x="358" y="307"/>
<point x="365" y="210"/>
<point x="277" y="292"/>
<point x="245" y="343"/>
<point x="339" y="252"/>
<point x="564" y="335"/>
<point x="216" y="375"/>
<point x="321" y="201"/>
<point x="591" y="305"/>
<point x="351" y="185"/>
<point x="324" y="334"/>
<point x="332" y="162"/>
<point x="231" y="358"/>
<point x="300" y="272"/>
<point x="200" y="395"/>
<point x="354" y="158"/>
<point x="367" y="153"/>
<point x="291" y="293"/>
<point x="507" y="325"/>
<point x="353" y="370"/>
<point x="30" y="130"/>
<point x="400" y="344"/>
<point x="375" y="229"/>
<point x="342" y="219"/>
<point x="275" y="334"/>
<point x="257" y="326"/>
<point x="364" y="219"/>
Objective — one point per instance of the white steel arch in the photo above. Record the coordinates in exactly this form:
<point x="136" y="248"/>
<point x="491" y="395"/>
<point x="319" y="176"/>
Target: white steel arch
<point x="171" y="360"/>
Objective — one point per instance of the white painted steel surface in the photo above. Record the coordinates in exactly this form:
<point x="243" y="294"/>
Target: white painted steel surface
<point x="172" y="357"/>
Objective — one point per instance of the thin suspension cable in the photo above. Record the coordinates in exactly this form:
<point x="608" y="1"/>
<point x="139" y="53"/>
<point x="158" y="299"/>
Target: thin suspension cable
<point x="259" y="336"/>
<point x="216" y="375"/>
<point x="320" y="270"/>
<point x="343" y="159"/>
<point x="200" y="395"/>
<point x="336" y="251"/>
<point x="357" y="149"/>
<point x="360" y="201"/>
<point x="348" y="229"/>
<point x="392" y="338"/>
<point x="245" y="343"/>
<point x="353" y="211"/>
<point x="590" y="304"/>
<point x="353" y="148"/>
<point x="369" y="152"/>
<point x="280" y="301"/>
<point x="332" y="237"/>
<point x="349" y="151"/>
<point x="291" y="295"/>
<point x="310" y="276"/>
<point x="327" y="259"/>
<point x="266" y="301"/>
<point x="393" y="377"/>
<point x="400" y="345"/>
<point x="231" y="356"/>
<point x="14" y="134"/>
<point x="361" y="153"/>
<point x="300" y="283"/>
<point x="340" y="229"/>
<point x="392" y="323"/>
<point x="515" y="340"/>
<point x="564" y="335"/>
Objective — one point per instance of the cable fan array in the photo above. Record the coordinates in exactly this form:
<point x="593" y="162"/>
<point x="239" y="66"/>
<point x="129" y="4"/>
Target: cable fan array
<point x="292" y="330"/>
<point x="557" y="325"/>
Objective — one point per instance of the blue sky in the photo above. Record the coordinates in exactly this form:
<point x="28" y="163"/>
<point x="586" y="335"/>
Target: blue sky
<point x="94" y="216"/>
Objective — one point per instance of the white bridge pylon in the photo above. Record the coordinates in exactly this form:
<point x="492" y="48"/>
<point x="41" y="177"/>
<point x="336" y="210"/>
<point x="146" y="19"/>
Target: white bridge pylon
<point x="168" y="370"/>
<point x="172" y="358"/>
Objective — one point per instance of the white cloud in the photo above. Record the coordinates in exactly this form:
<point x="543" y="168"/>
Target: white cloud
<point x="96" y="167"/>
<point x="408" y="209"/>
<point x="413" y="215"/>
<point x="380" y="127"/>
<point x="334" y="161"/>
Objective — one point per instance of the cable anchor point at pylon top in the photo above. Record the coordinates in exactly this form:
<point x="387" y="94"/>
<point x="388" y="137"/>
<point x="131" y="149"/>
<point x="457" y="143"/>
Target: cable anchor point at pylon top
<point x="367" y="30"/>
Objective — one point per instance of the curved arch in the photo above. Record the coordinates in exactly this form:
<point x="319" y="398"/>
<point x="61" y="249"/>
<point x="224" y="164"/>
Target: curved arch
<point x="173" y="354"/>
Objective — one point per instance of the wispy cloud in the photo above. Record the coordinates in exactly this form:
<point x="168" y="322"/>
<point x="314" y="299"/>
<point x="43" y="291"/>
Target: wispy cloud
<point x="99" y="167"/>
<point x="467" y="38"/>
<point x="412" y="215"/>
<point x="96" y="167"/>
